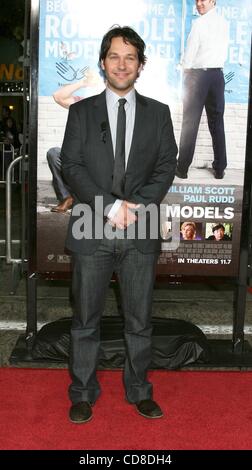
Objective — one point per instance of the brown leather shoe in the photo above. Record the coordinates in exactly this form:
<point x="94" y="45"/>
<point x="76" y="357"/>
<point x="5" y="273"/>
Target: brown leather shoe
<point x="149" y="409"/>
<point x="64" y="205"/>
<point x="80" y="412"/>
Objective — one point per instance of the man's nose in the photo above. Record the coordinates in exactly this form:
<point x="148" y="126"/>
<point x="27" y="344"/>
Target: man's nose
<point x="121" y="63"/>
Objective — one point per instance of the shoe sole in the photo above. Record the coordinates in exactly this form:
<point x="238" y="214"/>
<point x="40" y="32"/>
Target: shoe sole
<point x="59" y="211"/>
<point x="149" y="417"/>
<point x="182" y="177"/>
<point x="81" y="422"/>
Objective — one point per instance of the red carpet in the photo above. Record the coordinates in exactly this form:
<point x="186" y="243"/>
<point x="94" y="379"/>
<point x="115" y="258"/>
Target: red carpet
<point x="203" y="410"/>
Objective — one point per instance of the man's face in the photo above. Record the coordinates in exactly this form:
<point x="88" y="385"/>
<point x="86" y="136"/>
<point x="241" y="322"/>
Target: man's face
<point x="219" y="234"/>
<point x="203" y="6"/>
<point x="121" y="66"/>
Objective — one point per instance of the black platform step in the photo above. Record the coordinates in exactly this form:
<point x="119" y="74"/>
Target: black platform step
<point x="176" y="344"/>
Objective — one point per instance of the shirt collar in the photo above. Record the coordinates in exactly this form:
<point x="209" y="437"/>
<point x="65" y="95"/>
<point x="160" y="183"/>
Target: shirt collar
<point x="112" y="98"/>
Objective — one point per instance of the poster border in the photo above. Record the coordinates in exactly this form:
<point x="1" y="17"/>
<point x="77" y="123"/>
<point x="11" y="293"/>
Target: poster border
<point x="244" y="253"/>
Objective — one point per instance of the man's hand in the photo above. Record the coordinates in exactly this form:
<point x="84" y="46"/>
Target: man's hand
<point x="91" y="78"/>
<point x="124" y="216"/>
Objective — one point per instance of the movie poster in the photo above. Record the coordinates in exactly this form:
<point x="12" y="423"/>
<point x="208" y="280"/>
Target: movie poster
<point x="201" y="216"/>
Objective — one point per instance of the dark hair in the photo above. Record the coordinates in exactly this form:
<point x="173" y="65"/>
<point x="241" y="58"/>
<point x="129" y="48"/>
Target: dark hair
<point x="129" y="36"/>
<point x="217" y="227"/>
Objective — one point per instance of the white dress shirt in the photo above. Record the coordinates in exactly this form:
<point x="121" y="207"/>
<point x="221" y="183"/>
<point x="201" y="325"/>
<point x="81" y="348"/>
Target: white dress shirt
<point x="207" y="43"/>
<point x="130" y="109"/>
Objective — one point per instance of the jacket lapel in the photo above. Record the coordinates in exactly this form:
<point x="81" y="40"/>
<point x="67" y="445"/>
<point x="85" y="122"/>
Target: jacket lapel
<point x="139" y="129"/>
<point x="102" y="123"/>
<point x="139" y="133"/>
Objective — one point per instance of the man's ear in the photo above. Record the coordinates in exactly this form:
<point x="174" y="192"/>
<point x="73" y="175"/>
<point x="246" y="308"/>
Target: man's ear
<point x="102" y="65"/>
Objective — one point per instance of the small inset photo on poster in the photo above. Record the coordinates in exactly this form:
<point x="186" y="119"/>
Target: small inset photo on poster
<point x="166" y="230"/>
<point x="218" y="231"/>
<point x="190" y="230"/>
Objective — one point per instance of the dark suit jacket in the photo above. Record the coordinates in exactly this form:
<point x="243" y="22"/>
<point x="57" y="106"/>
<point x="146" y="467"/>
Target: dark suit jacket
<point x="88" y="160"/>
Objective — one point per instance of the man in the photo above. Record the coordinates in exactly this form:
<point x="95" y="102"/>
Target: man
<point x="94" y="147"/>
<point x="204" y="59"/>
<point x="219" y="233"/>
<point x="64" y="96"/>
<point x="6" y="113"/>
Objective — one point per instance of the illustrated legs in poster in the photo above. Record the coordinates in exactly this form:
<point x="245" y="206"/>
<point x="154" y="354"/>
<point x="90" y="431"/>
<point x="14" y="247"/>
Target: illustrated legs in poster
<point x="205" y="54"/>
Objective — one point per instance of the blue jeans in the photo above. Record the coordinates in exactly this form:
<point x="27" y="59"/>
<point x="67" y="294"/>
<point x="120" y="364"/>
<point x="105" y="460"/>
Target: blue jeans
<point x="54" y="162"/>
<point x="91" y="278"/>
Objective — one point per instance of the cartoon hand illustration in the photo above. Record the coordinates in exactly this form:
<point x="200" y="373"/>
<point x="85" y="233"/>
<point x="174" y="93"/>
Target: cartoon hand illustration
<point x="228" y="77"/>
<point x="66" y="71"/>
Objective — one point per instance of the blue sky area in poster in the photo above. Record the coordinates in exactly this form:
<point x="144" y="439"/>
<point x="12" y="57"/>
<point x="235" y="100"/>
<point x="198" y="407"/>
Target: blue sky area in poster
<point x="71" y="32"/>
